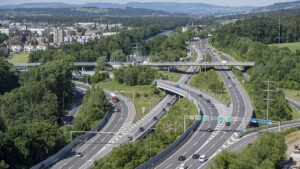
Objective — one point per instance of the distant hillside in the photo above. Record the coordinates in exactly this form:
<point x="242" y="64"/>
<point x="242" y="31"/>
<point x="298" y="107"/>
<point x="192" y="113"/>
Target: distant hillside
<point x="83" y="12"/>
<point x="171" y="7"/>
<point x="278" y="6"/>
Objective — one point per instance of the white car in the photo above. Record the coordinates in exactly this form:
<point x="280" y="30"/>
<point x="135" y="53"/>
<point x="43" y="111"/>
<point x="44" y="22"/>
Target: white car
<point x="183" y="166"/>
<point x="203" y="158"/>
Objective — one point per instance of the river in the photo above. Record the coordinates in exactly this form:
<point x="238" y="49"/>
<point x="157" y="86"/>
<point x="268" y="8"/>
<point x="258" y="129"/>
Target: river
<point x="167" y="32"/>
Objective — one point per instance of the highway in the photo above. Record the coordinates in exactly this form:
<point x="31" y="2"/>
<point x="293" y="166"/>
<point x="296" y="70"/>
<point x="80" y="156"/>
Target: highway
<point x="204" y="142"/>
<point x="93" y="145"/>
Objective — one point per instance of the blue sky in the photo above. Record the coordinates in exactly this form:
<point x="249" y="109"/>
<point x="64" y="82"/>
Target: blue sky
<point x="214" y="2"/>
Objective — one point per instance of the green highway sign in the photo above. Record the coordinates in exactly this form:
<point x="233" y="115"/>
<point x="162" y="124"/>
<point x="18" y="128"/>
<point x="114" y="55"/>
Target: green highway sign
<point x="197" y="117"/>
<point x="229" y="119"/>
<point x="206" y="118"/>
<point x="220" y="118"/>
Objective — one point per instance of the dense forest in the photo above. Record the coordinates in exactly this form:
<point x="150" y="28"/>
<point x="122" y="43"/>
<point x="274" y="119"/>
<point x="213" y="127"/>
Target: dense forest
<point x="135" y="75"/>
<point x="167" y="48"/>
<point x="267" y="152"/>
<point x="32" y="105"/>
<point x="277" y="64"/>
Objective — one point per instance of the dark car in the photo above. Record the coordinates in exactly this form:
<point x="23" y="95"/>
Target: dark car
<point x="168" y="104"/>
<point x="207" y="101"/>
<point x="79" y="154"/>
<point x="209" y="129"/>
<point x="130" y="138"/>
<point x="154" y="118"/>
<point x="233" y="84"/>
<point x="195" y="156"/>
<point x="141" y="129"/>
<point x="181" y="158"/>
<point x="164" y="109"/>
<point x="227" y="123"/>
<point x="228" y="77"/>
<point x="186" y="82"/>
<point x="200" y="95"/>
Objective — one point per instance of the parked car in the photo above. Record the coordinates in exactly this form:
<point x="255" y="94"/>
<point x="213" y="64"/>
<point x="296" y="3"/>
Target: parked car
<point x="181" y="158"/>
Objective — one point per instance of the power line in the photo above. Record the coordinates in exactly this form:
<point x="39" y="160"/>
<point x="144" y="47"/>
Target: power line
<point x="268" y="96"/>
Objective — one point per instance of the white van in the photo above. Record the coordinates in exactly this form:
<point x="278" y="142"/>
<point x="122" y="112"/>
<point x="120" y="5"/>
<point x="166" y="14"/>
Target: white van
<point x="203" y="158"/>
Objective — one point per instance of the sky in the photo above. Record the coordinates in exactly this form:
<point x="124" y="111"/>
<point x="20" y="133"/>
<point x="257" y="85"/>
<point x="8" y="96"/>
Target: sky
<point x="213" y="2"/>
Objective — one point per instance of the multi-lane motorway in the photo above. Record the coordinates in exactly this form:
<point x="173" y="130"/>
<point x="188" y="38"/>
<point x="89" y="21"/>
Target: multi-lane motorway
<point x="210" y="143"/>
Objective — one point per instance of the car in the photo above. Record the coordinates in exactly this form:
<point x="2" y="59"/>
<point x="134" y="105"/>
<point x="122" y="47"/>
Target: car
<point x="177" y="86"/>
<point x="117" y="110"/>
<point x="141" y="129"/>
<point x="200" y="95"/>
<point x="207" y="101"/>
<point x="130" y="138"/>
<point x="186" y="82"/>
<point x="164" y="110"/>
<point x="229" y="86"/>
<point x="227" y="123"/>
<point x="228" y="77"/>
<point x="183" y="166"/>
<point x="203" y="158"/>
<point x="209" y="129"/>
<point x="181" y="158"/>
<point x="195" y="156"/>
<point x="154" y="118"/>
<point x="169" y="104"/>
<point x="211" y="105"/>
<point x="79" y="154"/>
<point x="233" y="84"/>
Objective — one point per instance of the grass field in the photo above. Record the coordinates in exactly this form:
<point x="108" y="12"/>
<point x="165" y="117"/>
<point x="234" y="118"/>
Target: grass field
<point x="292" y="46"/>
<point x="19" y="57"/>
<point x="171" y="76"/>
<point x="140" y="101"/>
<point x="203" y="82"/>
<point x="293" y="94"/>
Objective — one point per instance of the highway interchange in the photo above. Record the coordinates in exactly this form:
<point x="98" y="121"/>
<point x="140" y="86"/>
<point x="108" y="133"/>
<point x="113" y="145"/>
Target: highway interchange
<point x="201" y="142"/>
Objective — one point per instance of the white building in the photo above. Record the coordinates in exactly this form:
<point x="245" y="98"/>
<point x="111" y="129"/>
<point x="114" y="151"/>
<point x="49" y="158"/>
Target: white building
<point x="28" y="48"/>
<point x="39" y="31"/>
<point x="16" y="48"/>
<point x="4" y="30"/>
<point x="109" y="33"/>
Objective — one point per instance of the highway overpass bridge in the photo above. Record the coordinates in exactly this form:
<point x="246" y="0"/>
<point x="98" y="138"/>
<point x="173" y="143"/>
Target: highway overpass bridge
<point x="84" y="65"/>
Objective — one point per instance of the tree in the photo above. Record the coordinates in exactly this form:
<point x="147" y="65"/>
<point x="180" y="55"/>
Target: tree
<point x="8" y="76"/>
<point x="101" y="63"/>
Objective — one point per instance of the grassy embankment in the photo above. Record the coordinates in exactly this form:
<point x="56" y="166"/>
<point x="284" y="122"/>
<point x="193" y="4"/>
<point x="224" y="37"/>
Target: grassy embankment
<point x="203" y="82"/>
<point x="143" y="95"/>
<point x="167" y="130"/>
<point x="19" y="57"/>
<point x="295" y="95"/>
<point x="292" y="46"/>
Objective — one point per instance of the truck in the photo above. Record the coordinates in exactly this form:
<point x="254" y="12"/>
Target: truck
<point x="114" y="97"/>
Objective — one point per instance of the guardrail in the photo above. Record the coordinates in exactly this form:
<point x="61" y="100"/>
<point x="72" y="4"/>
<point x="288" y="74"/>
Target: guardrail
<point x="69" y="147"/>
<point x="175" y="145"/>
